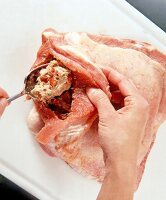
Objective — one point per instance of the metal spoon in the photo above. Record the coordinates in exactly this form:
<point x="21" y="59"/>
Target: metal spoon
<point x="29" y="83"/>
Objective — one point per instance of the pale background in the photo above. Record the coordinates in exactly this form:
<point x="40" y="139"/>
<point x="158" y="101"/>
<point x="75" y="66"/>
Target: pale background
<point x="21" y="25"/>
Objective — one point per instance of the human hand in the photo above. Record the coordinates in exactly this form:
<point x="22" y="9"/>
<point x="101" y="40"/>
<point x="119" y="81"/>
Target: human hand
<point x="3" y="100"/>
<point x="120" y="131"/>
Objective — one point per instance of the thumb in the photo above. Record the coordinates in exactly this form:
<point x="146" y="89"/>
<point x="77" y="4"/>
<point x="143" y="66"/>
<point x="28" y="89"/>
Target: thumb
<point x="3" y="104"/>
<point x="101" y="102"/>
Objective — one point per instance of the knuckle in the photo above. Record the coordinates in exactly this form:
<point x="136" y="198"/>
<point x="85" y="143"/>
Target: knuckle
<point x="146" y="107"/>
<point x="131" y="100"/>
<point x="101" y="98"/>
<point x="103" y="124"/>
<point x="123" y="80"/>
<point x="142" y="104"/>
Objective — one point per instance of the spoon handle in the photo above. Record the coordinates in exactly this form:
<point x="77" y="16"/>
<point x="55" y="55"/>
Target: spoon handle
<point x="12" y="98"/>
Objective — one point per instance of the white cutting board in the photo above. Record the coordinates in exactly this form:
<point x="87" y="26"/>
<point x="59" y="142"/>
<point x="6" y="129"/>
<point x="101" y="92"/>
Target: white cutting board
<point x="21" y="158"/>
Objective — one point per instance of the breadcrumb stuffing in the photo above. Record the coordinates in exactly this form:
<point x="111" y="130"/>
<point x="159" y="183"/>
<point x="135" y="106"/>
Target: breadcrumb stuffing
<point x="52" y="81"/>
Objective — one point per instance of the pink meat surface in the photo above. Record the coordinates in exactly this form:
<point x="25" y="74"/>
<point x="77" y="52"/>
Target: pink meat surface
<point x="75" y="138"/>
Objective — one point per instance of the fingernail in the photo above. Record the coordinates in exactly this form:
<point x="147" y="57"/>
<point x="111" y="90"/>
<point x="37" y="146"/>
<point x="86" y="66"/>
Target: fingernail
<point x="90" y="91"/>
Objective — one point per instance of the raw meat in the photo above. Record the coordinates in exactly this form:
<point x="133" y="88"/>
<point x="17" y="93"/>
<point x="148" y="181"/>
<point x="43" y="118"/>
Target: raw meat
<point x="75" y="138"/>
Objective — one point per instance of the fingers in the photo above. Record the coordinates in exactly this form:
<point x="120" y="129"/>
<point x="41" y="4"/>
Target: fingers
<point x="101" y="102"/>
<point x="3" y="93"/>
<point x="3" y="100"/>
<point x="3" y="104"/>
<point x="133" y="99"/>
<point x="126" y="87"/>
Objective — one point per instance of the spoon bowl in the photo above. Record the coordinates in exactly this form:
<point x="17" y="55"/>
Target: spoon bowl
<point x="29" y="83"/>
